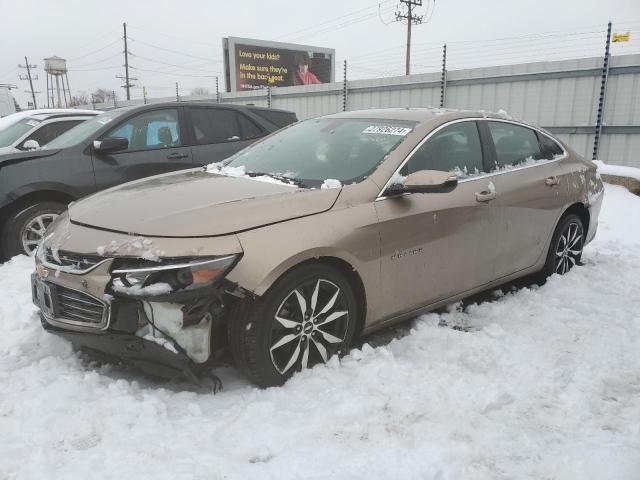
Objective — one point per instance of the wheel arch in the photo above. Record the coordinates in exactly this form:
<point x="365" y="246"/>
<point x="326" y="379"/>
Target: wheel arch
<point x="340" y="263"/>
<point x="581" y="211"/>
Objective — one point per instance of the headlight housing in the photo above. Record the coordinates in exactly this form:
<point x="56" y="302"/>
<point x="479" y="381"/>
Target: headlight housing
<point x="170" y="276"/>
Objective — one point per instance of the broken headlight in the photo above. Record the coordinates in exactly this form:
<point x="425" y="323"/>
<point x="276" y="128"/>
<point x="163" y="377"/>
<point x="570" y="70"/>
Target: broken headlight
<point x="146" y="278"/>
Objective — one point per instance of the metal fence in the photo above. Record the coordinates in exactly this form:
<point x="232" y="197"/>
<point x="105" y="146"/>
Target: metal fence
<point x="561" y="96"/>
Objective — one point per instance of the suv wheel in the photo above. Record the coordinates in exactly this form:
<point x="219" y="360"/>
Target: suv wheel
<point x="308" y="316"/>
<point x="24" y="231"/>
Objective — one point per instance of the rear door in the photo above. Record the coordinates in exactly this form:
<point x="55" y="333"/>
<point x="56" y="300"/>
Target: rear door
<point x="532" y="192"/>
<point x="438" y="245"/>
<point x="217" y="133"/>
<point x="156" y="145"/>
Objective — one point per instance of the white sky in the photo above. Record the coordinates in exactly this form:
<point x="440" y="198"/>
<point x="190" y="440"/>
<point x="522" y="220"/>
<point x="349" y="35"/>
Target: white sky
<point x="185" y="37"/>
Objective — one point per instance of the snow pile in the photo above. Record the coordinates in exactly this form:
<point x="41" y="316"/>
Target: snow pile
<point x="220" y="169"/>
<point x="617" y="170"/>
<point x="331" y="183"/>
<point x="533" y="384"/>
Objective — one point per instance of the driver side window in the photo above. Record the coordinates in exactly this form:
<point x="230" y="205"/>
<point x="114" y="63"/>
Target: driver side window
<point x="150" y="130"/>
<point x="456" y="148"/>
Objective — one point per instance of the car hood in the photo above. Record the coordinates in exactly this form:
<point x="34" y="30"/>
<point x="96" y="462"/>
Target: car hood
<point x="19" y="156"/>
<point x="196" y="203"/>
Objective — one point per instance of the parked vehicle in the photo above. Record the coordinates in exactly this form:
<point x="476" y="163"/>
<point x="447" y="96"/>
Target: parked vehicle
<point x="17" y="116"/>
<point x="35" y="130"/>
<point x="330" y="228"/>
<point x="115" y="147"/>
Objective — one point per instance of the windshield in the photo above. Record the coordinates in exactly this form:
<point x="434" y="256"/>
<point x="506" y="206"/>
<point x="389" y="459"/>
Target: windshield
<point x="82" y="131"/>
<point x="11" y="134"/>
<point x="343" y="149"/>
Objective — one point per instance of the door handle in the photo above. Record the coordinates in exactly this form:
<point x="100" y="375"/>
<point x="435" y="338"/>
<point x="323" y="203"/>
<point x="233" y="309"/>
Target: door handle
<point x="551" y="181"/>
<point x="485" y="196"/>
<point x="177" y="155"/>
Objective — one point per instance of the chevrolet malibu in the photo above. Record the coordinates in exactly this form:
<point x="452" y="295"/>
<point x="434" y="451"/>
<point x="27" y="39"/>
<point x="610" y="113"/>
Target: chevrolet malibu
<point x="328" y="229"/>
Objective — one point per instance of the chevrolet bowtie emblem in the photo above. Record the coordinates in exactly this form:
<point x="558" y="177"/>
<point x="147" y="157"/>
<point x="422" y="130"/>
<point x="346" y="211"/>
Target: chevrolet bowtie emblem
<point x="42" y="272"/>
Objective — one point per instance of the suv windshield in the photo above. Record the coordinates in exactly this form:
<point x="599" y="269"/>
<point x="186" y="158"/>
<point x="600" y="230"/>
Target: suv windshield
<point x="11" y="134"/>
<point x="344" y="149"/>
<point x="80" y="132"/>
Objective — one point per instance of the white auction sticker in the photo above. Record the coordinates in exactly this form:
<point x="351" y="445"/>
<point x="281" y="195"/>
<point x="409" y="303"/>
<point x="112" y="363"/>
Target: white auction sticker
<point x="32" y="123"/>
<point x="103" y="121"/>
<point x="387" y="130"/>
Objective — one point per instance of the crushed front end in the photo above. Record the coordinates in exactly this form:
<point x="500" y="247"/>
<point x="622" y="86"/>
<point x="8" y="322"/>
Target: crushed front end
<point x="147" y="302"/>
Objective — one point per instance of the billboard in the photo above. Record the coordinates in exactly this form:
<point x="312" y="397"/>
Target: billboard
<point x="255" y="64"/>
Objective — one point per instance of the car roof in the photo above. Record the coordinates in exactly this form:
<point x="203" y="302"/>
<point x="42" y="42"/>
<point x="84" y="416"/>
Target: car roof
<point x="202" y="104"/>
<point x="420" y="115"/>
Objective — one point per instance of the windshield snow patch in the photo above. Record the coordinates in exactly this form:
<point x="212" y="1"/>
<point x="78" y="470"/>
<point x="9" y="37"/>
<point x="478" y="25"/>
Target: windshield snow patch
<point x="220" y="169"/>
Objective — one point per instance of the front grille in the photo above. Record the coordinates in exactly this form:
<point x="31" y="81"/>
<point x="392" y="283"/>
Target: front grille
<point x="77" y="307"/>
<point x="71" y="261"/>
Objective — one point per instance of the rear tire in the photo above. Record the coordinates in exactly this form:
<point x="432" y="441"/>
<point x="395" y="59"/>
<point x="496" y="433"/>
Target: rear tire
<point x="272" y="337"/>
<point x="565" y="250"/>
<point x="25" y="229"/>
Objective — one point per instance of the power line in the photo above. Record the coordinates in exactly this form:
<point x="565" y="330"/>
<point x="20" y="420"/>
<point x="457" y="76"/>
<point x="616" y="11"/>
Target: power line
<point x="98" y="50"/>
<point x="168" y="49"/>
<point x="175" y="65"/>
<point x="341" y="17"/>
<point x="172" y="73"/>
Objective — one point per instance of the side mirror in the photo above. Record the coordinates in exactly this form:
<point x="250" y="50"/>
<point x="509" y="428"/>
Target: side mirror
<point x="110" y="144"/>
<point x="424" y="181"/>
<point x="31" y="145"/>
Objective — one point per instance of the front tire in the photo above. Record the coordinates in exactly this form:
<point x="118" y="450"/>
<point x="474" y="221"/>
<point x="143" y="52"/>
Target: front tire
<point x="25" y="229"/>
<point x="305" y="318"/>
<point x="566" y="246"/>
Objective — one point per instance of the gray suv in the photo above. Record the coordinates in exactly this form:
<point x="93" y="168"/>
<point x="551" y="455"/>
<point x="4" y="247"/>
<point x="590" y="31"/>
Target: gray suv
<point x="116" y="147"/>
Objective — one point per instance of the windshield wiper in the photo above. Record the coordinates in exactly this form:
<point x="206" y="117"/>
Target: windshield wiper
<point x="282" y="178"/>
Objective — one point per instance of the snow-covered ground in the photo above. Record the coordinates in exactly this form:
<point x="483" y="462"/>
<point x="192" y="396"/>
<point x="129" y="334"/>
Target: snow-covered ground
<point x="540" y="383"/>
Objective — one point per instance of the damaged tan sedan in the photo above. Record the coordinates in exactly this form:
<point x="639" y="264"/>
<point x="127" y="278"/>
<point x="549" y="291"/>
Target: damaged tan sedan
<point x="328" y="229"/>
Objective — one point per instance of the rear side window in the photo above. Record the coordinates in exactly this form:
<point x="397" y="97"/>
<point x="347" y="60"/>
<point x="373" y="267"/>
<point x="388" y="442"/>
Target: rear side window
<point x="215" y="125"/>
<point x="455" y="149"/>
<point x="48" y="132"/>
<point x="249" y="129"/>
<point x="514" y="144"/>
<point x="549" y="148"/>
<point x="279" y="119"/>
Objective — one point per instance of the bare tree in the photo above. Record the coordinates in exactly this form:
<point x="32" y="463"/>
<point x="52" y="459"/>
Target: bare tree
<point x="79" y="99"/>
<point x="199" y="91"/>
<point x="102" y="95"/>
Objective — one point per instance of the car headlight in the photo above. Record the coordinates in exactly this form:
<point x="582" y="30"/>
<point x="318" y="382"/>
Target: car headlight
<point x="144" y="279"/>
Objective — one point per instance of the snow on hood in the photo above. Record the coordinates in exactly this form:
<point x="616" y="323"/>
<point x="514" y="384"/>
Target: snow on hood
<point x="197" y="203"/>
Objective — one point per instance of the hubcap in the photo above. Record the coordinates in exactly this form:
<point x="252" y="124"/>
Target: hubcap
<point x="310" y="325"/>
<point x="568" y="249"/>
<point x="33" y="231"/>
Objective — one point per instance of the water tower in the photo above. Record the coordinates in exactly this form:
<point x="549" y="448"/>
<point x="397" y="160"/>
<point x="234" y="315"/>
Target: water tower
<point x="56" y="67"/>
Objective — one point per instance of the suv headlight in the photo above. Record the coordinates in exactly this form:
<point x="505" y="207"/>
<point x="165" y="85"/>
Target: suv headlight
<point x="145" y="278"/>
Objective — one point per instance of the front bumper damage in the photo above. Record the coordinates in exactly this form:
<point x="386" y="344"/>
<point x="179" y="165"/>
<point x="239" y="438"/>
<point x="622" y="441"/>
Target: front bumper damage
<point x="176" y="334"/>
<point x="183" y="341"/>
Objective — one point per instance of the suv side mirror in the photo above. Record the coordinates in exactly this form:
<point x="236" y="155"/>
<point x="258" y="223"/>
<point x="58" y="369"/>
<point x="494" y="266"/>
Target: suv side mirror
<point x="31" y="145"/>
<point x="110" y="144"/>
<point x="423" y="181"/>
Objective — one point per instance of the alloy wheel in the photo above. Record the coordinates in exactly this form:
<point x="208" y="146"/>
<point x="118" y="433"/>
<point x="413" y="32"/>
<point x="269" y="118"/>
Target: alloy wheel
<point x="33" y="231"/>
<point x="568" y="248"/>
<point x="309" y="326"/>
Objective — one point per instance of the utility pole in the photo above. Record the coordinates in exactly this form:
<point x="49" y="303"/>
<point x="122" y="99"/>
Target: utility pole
<point x="127" y="79"/>
<point x="28" y="77"/>
<point x="411" y="19"/>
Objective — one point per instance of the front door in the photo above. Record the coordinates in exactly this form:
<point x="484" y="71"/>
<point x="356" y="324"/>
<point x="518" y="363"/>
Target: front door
<point x="156" y="146"/>
<point x="438" y="245"/>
